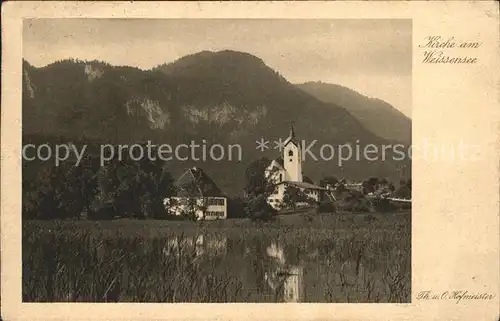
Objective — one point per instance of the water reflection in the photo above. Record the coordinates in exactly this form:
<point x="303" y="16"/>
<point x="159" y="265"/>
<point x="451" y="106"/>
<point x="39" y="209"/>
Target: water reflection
<point x="200" y="245"/>
<point x="266" y="269"/>
<point x="286" y="280"/>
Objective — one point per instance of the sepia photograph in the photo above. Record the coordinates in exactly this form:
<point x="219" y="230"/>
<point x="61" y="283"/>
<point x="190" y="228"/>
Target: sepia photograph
<point x="205" y="160"/>
<point x="306" y="160"/>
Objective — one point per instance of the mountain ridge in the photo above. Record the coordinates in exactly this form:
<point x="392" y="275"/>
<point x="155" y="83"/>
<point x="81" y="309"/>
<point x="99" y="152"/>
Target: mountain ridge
<point x="220" y="97"/>
<point x="375" y="114"/>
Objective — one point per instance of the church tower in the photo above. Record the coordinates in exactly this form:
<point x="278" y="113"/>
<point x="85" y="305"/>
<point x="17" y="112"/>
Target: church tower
<point x="292" y="158"/>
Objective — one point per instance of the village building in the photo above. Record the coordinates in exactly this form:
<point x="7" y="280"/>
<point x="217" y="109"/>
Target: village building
<point x="197" y="195"/>
<point x="354" y="186"/>
<point x="286" y="170"/>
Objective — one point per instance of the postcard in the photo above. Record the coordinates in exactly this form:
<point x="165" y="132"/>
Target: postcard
<point x="298" y="160"/>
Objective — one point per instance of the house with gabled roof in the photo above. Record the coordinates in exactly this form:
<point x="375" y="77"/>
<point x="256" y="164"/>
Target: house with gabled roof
<point x="198" y="195"/>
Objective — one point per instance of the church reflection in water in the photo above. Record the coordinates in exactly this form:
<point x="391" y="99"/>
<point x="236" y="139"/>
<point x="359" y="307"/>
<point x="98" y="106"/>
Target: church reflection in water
<point x="286" y="280"/>
<point x="281" y="275"/>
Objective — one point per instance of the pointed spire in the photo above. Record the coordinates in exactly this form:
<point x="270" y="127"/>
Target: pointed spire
<point x="291" y="138"/>
<point x="292" y="131"/>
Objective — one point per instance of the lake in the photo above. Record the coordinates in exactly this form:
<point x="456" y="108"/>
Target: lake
<point x="299" y="258"/>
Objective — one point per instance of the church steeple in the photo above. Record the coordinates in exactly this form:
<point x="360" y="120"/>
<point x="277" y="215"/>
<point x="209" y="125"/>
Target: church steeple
<point x="292" y="157"/>
<point x="291" y="137"/>
<point x="292" y="132"/>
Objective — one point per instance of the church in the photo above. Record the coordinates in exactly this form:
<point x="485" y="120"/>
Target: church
<point x="286" y="170"/>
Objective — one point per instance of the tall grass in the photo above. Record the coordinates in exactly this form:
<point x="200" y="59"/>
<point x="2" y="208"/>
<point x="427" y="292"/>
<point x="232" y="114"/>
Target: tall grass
<point x="345" y="259"/>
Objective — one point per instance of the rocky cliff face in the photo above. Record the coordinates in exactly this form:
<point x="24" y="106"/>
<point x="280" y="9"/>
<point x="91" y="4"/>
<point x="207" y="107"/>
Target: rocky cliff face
<point x="223" y="97"/>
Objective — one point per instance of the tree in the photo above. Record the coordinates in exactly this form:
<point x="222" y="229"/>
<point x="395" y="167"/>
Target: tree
<point x="235" y="207"/>
<point x="353" y="201"/>
<point x="370" y="185"/>
<point x="340" y="186"/>
<point x="193" y="207"/>
<point x="383" y="205"/>
<point x="74" y="191"/>
<point x="328" y="180"/>
<point x="258" y="209"/>
<point x="134" y="189"/>
<point x="404" y="190"/>
<point x="39" y="191"/>
<point x="256" y="181"/>
<point x="257" y="190"/>
<point x="326" y="207"/>
<point x="293" y="196"/>
<point x="57" y="192"/>
<point x="155" y="184"/>
<point x="77" y="188"/>
<point x="104" y="205"/>
<point x="186" y="208"/>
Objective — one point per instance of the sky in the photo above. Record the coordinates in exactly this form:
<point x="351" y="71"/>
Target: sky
<point x="373" y="57"/>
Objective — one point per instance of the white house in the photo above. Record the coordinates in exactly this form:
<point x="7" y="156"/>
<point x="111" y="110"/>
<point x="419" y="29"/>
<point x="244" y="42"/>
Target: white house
<point x="198" y="195"/>
<point x="207" y="208"/>
<point x="286" y="170"/>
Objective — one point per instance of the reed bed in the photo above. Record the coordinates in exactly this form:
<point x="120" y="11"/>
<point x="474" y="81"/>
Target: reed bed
<point x="345" y="258"/>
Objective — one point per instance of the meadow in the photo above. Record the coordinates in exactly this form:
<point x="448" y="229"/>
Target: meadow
<point x="296" y="258"/>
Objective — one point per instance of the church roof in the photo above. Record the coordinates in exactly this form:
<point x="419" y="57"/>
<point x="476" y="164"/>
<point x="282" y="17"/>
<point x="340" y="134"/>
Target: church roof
<point x="306" y="179"/>
<point x="291" y="138"/>
<point x="277" y="162"/>
<point x="280" y="161"/>
<point x="304" y="185"/>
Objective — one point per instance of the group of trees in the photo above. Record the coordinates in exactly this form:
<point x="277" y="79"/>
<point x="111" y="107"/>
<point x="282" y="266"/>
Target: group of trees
<point x="125" y="188"/>
<point x="369" y="196"/>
